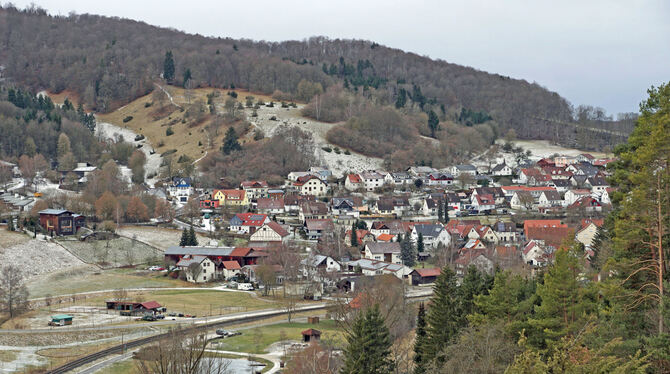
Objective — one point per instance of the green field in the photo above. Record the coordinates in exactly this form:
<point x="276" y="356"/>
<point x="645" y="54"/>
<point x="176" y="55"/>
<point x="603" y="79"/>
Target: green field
<point x="257" y="340"/>
<point x="89" y="278"/>
<point x="113" y="253"/>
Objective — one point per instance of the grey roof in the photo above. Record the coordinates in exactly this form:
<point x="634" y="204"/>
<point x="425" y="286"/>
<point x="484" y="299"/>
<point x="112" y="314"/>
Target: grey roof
<point x="499" y="167"/>
<point x="552" y="195"/>
<point x="203" y="251"/>
<point x="366" y="263"/>
<point x="193" y="260"/>
<point x="381" y="248"/>
<point x="53" y="211"/>
<point x="314" y="260"/>
<point x="431" y="230"/>
<point x="466" y="167"/>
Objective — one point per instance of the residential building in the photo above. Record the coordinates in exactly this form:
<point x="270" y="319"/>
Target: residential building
<point x="388" y="252"/>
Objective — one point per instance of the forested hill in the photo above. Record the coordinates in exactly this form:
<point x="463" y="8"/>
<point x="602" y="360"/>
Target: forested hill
<point x="108" y="62"/>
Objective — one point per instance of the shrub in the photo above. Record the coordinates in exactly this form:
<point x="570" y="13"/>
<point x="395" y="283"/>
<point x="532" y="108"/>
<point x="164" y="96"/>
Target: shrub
<point x="273" y="118"/>
<point x="346" y="152"/>
<point x="284" y="105"/>
<point x="232" y="94"/>
<point x="128" y="119"/>
<point x="139" y="137"/>
<point x="161" y="143"/>
<point x="271" y="104"/>
<point x="260" y="102"/>
<point x="327" y="149"/>
<point x="169" y="131"/>
<point x="148" y="104"/>
<point x="254" y="113"/>
<point x="258" y="135"/>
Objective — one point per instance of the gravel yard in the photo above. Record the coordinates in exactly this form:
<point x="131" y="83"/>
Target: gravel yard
<point x="44" y="257"/>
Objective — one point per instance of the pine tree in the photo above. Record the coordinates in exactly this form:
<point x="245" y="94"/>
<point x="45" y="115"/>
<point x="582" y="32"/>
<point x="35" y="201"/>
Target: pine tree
<point x="354" y="236"/>
<point x="566" y="304"/>
<point x="368" y="345"/>
<point x="474" y="283"/>
<point x="230" y="143"/>
<point x="407" y="253"/>
<point x="446" y="211"/>
<point x="444" y="316"/>
<point x="168" y="67"/>
<point x="187" y="77"/>
<point x="10" y="223"/>
<point x="420" y="341"/>
<point x="440" y="211"/>
<point x="185" y="240"/>
<point x="192" y="238"/>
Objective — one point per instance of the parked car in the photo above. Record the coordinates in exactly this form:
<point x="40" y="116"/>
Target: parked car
<point x="245" y="286"/>
<point x="222" y="332"/>
<point x="156" y="268"/>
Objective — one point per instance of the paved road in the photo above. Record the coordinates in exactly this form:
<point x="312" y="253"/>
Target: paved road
<point x="202" y="320"/>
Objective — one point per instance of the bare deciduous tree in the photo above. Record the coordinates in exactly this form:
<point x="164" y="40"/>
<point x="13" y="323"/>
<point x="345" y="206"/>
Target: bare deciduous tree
<point x="13" y="293"/>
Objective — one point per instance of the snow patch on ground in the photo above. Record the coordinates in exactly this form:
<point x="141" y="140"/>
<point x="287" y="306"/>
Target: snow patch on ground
<point x="109" y="131"/>
<point x="37" y="257"/>
<point x="338" y="164"/>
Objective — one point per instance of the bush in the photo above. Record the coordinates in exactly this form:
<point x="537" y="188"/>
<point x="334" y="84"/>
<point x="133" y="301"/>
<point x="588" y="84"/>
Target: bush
<point x="327" y="149"/>
<point x="128" y="119"/>
<point x="346" y="152"/>
<point x="273" y="118"/>
<point x="232" y="94"/>
<point x="271" y="104"/>
<point x="259" y="134"/>
<point x="169" y="152"/>
<point x="161" y="143"/>
<point x="260" y="102"/>
<point x="148" y="104"/>
<point x="139" y="137"/>
<point x="169" y="131"/>
<point x="284" y="105"/>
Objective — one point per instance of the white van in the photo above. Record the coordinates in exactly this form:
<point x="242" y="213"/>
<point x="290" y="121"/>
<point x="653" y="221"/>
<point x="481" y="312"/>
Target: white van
<point x="245" y="286"/>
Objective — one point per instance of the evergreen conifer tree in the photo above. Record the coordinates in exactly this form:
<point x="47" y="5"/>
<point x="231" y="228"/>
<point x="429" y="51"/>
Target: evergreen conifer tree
<point x="420" y="341"/>
<point x="368" y="345"/>
<point x="354" y="236"/>
<point x="407" y="252"/>
<point x="440" y="211"/>
<point x="168" y="67"/>
<point x="230" y="143"/>
<point x="184" y="241"/>
<point x="192" y="239"/>
<point x="419" y="244"/>
<point x="444" y="316"/>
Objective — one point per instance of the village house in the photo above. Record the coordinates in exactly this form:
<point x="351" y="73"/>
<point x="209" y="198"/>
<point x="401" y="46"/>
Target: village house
<point x="550" y="199"/>
<point x="573" y="195"/>
<point x="205" y="273"/>
<point x="476" y="258"/>
<point x="311" y="185"/>
<point x="180" y="189"/>
<point x="606" y="197"/>
<point x="502" y="170"/>
<point x="270" y="232"/>
<point x="231" y="197"/>
<point x="247" y="223"/>
<point x="372" y="180"/>
<point x="315" y="266"/>
<point x="431" y="206"/>
<point x="433" y="235"/>
<point x="399" y="179"/>
<point x="522" y="200"/>
<point x="312" y="210"/>
<point x="588" y="232"/>
<point x="420" y="171"/>
<point x="255" y="189"/>
<point x="346" y="205"/>
<point x="363" y="236"/>
<point x="270" y="206"/>
<point x="440" y="179"/>
<point x="533" y="254"/>
<point x="487" y="234"/>
<point x="483" y="203"/>
<point x="397" y="206"/>
<point x="353" y="182"/>
<point x="387" y="252"/>
<point x="506" y="232"/>
<point x="598" y="185"/>
<point x="457" y="170"/>
<point x="241" y="255"/>
<point x="586" y="204"/>
<point x="371" y="267"/>
<point x="315" y="229"/>
<point x="61" y="221"/>
<point x="292" y="203"/>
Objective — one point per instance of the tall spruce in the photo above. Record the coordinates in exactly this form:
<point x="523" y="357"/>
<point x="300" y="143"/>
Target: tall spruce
<point x="407" y="253"/>
<point x="440" y="211"/>
<point x="230" y="143"/>
<point x="185" y="239"/>
<point x="444" y="316"/>
<point x="368" y="345"/>
<point x="446" y="211"/>
<point x="168" y="67"/>
<point x="192" y="238"/>
<point x="420" y="341"/>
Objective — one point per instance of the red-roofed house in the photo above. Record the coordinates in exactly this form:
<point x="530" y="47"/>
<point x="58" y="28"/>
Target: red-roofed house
<point x="231" y="197"/>
<point x="363" y="236"/>
<point x="267" y="205"/>
<point x="270" y="232"/>
<point x="255" y="189"/>
<point x="529" y="223"/>
<point x="247" y="223"/>
<point x="311" y="185"/>
<point x="353" y="182"/>
<point x="230" y="269"/>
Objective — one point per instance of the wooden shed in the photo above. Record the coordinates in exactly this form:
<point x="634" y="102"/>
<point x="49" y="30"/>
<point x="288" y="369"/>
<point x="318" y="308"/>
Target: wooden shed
<point x="311" y="335"/>
<point x="61" y="320"/>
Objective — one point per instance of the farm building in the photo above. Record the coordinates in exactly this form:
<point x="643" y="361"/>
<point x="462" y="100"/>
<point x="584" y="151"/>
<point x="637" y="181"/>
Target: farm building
<point x="61" y="320"/>
<point x="128" y="308"/>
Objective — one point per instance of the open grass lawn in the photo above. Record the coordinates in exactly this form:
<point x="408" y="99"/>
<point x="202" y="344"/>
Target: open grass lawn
<point x="207" y="302"/>
<point x="11" y="238"/>
<point x="8" y="356"/>
<point x="258" y="339"/>
<point x="88" y="278"/>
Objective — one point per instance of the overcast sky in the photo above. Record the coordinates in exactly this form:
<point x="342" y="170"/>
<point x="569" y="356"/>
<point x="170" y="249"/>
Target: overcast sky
<point x="604" y="53"/>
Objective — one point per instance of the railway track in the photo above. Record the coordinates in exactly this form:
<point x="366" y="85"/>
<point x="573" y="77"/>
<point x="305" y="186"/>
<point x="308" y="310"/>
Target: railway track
<point x="117" y="349"/>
